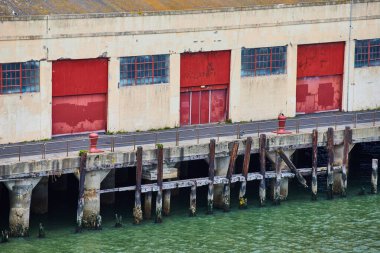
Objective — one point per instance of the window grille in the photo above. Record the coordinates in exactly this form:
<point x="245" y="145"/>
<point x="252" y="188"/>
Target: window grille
<point x="20" y="77"/>
<point x="140" y="70"/>
<point x="367" y="53"/>
<point x="263" y="61"/>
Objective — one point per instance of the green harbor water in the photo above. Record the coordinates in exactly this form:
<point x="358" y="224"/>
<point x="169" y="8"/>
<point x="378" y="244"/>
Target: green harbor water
<point x="349" y="224"/>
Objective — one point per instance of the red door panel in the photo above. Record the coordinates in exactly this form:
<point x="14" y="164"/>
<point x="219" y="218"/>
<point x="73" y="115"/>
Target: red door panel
<point x="218" y="105"/>
<point x="195" y="106"/>
<point x="83" y="113"/>
<point x="324" y="59"/>
<point x="322" y="94"/>
<point x="185" y="108"/>
<point x="204" y="109"/>
<point x="205" y="68"/>
<point x="80" y="77"/>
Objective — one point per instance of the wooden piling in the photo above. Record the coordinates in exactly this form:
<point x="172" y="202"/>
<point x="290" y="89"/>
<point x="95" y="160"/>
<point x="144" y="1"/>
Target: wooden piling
<point x="277" y="185"/>
<point x="226" y="188"/>
<point x="374" y="176"/>
<point x="193" y="200"/>
<point x="166" y="209"/>
<point x="314" y="180"/>
<point x="243" y="186"/>
<point x="82" y="176"/>
<point x="346" y="149"/>
<point x="137" y="211"/>
<point x="211" y="173"/>
<point x="292" y="167"/>
<point x="262" y="189"/>
<point x="160" y="167"/>
<point x="148" y="205"/>
<point x="330" y="153"/>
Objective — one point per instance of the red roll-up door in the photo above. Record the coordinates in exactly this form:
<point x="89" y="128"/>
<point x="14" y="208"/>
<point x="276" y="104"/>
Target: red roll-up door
<point x="205" y="79"/>
<point x="319" y="77"/>
<point x="79" y="96"/>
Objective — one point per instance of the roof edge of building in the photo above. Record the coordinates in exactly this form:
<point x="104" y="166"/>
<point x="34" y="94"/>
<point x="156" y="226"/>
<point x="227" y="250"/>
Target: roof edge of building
<point x="176" y="12"/>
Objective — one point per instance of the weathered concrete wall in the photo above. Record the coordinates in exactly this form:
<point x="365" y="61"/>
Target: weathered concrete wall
<point x="156" y="106"/>
<point x="27" y="116"/>
<point x="366" y="88"/>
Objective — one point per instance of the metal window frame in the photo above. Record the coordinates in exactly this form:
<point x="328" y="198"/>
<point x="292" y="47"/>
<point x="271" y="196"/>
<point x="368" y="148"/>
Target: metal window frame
<point x="20" y="78"/>
<point x="140" y="62"/>
<point x="359" y="63"/>
<point x="253" y="60"/>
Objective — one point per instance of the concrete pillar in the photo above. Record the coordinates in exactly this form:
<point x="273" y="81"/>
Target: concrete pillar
<point x="108" y="183"/>
<point x="91" y="207"/>
<point x="284" y="187"/>
<point x="40" y="197"/>
<point x="20" y="194"/>
<point x="221" y="168"/>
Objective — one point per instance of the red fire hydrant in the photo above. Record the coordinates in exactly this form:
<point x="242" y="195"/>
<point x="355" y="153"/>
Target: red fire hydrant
<point x="281" y="125"/>
<point x="93" y="142"/>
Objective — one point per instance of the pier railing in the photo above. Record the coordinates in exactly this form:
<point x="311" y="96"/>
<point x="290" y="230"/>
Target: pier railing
<point x="188" y="135"/>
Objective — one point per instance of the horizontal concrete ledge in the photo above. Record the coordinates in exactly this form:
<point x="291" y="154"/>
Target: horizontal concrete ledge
<point x="217" y="180"/>
<point x="174" y="154"/>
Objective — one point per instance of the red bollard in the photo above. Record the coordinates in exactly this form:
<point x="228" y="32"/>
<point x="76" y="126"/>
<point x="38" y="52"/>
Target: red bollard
<point x="93" y="141"/>
<point x="281" y="125"/>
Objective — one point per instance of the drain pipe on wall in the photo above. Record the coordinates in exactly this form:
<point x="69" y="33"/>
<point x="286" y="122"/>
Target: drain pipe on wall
<point x="349" y="56"/>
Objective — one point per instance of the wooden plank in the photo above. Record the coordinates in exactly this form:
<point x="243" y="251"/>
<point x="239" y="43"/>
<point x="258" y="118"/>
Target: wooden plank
<point x="231" y="166"/>
<point x="314" y="180"/>
<point x="137" y="211"/>
<point x="374" y="176"/>
<point x="346" y="149"/>
<point x="243" y="185"/>
<point x="262" y="187"/>
<point x="160" y="167"/>
<point x="277" y="183"/>
<point x="211" y="173"/>
<point x="292" y="167"/>
<point x="330" y="153"/>
<point x="82" y="176"/>
<point x="167" y="195"/>
<point x="193" y="199"/>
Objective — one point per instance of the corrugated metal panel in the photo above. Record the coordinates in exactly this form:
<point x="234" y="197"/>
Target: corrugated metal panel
<point x="317" y="94"/>
<point x="202" y="107"/>
<point x="75" y="114"/>
<point x="205" y="68"/>
<point x="320" y="59"/>
<point x="43" y="7"/>
<point x="80" y="77"/>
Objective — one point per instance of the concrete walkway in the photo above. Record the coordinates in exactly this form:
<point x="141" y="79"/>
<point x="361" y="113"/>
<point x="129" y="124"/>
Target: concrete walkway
<point x="70" y="145"/>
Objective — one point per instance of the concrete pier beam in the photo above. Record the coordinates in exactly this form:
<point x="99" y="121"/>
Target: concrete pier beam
<point x="108" y="183"/>
<point x="221" y="168"/>
<point x="20" y="194"/>
<point x="40" y="197"/>
<point x="91" y="207"/>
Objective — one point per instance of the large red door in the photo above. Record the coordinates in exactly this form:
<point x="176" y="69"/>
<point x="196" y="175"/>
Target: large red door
<point x="205" y="80"/>
<point x="79" y="96"/>
<point x="319" y="77"/>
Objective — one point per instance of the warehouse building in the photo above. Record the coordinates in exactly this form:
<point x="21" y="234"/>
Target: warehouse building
<point x="72" y="67"/>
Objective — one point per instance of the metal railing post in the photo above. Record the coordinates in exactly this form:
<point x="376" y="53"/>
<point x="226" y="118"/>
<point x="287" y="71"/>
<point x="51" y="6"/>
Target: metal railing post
<point x="356" y="119"/>
<point x="19" y="153"/>
<point x="197" y="135"/>
<point x="317" y="124"/>
<point x="177" y="137"/>
<point x="67" y="148"/>
<point x="217" y="133"/>
<point x="298" y="126"/>
<point x="134" y="141"/>
<point x="238" y="131"/>
<point x="113" y="144"/>
<point x="374" y="118"/>
<point x="335" y="122"/>
<point x="258" y="129"/>
<point x="155" y="140"/>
